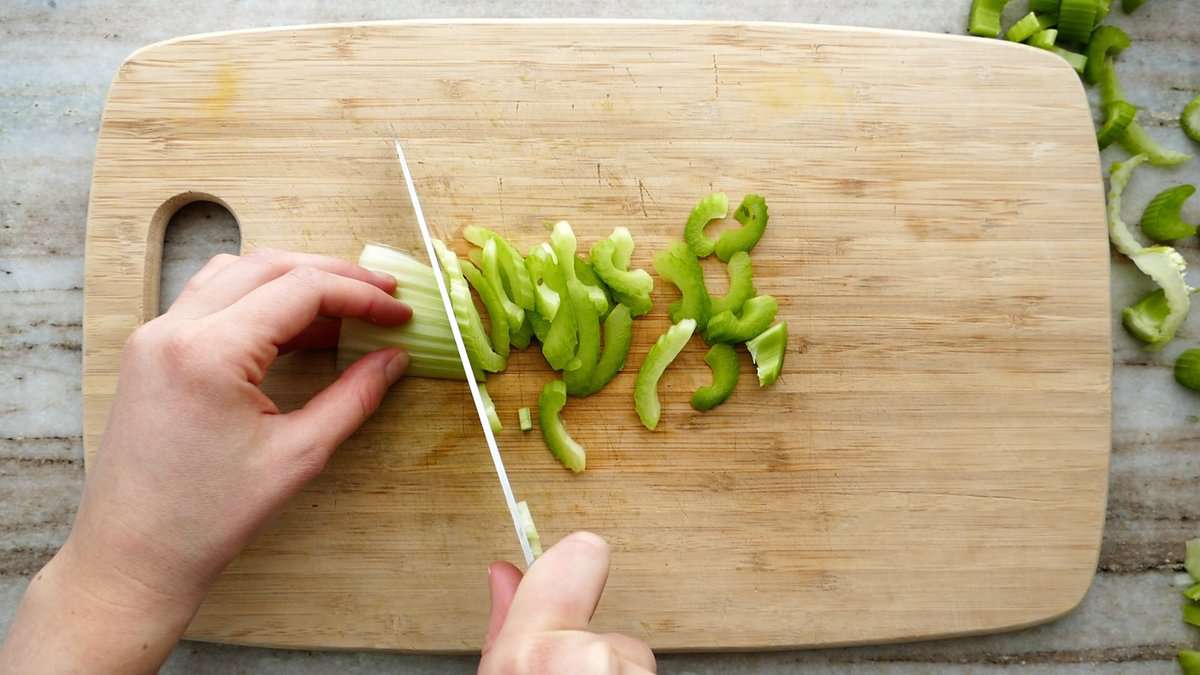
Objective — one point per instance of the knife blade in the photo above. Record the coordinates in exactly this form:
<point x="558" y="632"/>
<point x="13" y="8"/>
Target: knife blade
<point x="498" y="462"/>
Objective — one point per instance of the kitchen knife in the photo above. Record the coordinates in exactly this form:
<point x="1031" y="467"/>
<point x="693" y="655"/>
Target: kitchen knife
<point x="497" y="461"/>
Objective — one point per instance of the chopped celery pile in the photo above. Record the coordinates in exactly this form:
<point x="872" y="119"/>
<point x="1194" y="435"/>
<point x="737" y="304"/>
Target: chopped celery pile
<point x="581" y="310"/>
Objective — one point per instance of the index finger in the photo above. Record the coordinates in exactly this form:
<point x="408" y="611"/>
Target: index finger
<point x="561" y="590"/>
<point x="282" y="308"/>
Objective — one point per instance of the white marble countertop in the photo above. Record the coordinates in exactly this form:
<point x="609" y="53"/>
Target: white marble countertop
<point x="57" y="58"/>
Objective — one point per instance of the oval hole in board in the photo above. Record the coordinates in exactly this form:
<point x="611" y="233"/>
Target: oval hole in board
<point x="198" y="228"/>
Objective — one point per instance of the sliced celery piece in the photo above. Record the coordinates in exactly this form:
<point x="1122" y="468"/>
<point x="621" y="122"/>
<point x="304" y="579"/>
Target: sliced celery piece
<point x="1162" y="220"/>
<point x="722" y="360"/>
<point x="984" y="20"/>
<point x="664" y="351"/>
<point x="767" y="351"/>
<point x="565" y="449"/>
<point x="524" y="419"/>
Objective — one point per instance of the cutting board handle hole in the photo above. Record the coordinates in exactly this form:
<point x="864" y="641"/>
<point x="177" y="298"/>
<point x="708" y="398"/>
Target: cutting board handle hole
<point x="187" y="231"/>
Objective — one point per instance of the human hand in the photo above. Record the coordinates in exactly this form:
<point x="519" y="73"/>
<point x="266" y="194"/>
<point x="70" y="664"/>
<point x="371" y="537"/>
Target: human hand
<point x="196" y="458"/>
<point x="538" y="624"/>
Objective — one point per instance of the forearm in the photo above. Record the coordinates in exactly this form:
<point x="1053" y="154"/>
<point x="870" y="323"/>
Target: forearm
<point x="75" y="618"/>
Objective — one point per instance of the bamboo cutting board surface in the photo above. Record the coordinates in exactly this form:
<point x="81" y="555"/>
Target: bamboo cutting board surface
<point x="933" y="461"/>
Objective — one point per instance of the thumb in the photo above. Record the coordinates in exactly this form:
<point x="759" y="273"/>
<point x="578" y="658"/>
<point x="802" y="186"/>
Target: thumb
<point x="503" y="580"/>
<point x="340" y="409"/>
<point x="561" y="590"/>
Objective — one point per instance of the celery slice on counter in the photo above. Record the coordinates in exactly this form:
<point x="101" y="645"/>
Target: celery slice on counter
<point x="618" y="335"/>
<point x="490" y="408"/>
<point x="741" y="285"/>
<point x="1028" y="25"/>
<point x="1106" y="43"/>
<point x="752" y="214"/>
<point x="631" y="287"/>
<point x="1193" y="592"/>
<point x="426" y="337"/>
<point x="1110" y="85"/>
<point x="1138" y="142"/>
<point x="1077" y="61"/>
<point x="492" y="303"/>
<point x="517" y="283"/>
<point x="1144" y="318"/>
<point x="1118" y="115"/>
<point x="1118" y="231"/>
<point x="527" y="527"/>
<point x="767" y="350"/>
<point x="722" y="360"/>
<point x="547" y="281"/>
<point x="1044" y="6"/>
<point x="1076" y="18"/>
<point x="524" y="419"/>
<point x="664" y="351"/>
<point x="475" y="338"/>
<point x="1187" y="373"/>
<point x="523" y="335"/>
<point x="491" y="272"/>
<point x="574" y="268"/>
<point x="984" y="19"/>
<point x="1162" y="220"/>
<point x="1131" y="6"/>
<point x="1191" y="614"/>
<point x="541" y="327"/>
<point x="757" y="315"/>
<point x="1190" y="119"/>
<point x="561" y="339"/>
<point x="598" y="292"/>
<point x="1044" y="39"/>
<point x="565" y="449"/>
<point x="711" y="207"/>
<point x="578" y="373"/>
<point x="1189" y="662"/>
<point x="1191" y="558"/>
<point x="679" y="266"/>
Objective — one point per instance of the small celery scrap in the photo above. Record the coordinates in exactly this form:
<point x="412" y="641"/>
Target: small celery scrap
<point x="1029" y="25"/>
<point x="767" y="351"/>
<point x="524" y="419"/>
<point x="984" y="19"/>
<point x="1118" y="115"/>
<point x="1187" y="373"/>
<point x="723" y="361"/>
<point x="1163" y="264"/>
<point x="1044" y="39"/>
<point x="490" y="408"/>
<point x="664" y="351"/>
<point x="1162" y="220"/>
<point x="528" y="528"/>
<point x="1076" y="18"/>
<point x="1190" y="119"/>
<point x="1189" y="662"/>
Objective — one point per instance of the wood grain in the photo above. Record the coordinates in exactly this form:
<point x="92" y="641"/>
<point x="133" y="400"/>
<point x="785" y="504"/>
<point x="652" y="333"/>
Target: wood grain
<point x="934" y="459"/>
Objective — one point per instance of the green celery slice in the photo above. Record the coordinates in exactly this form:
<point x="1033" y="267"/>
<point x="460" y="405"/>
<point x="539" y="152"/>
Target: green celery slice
<point x="1118" y="232"/>
<point x="517" y="283"/>
<point x="1189" y="660"/>
<point x="1131" y="6"/>
<point x="1144" y="318"/>
<point x="561" y="339"/>
<point x="752" y="214"/>
<point x="1106" y="43"/>
<point x="1076" y="18"/>
<point x="1028" y="25"/>
<point x="618" y="335"/>
<point x="598" y="292"/>
<point x="1190" y="119"/>
<point x="1187" y="373"/>
<point x="1137" y="141"/>
<point x="528" y="529"/>
<point x="1192" y="592"/>
<point x="984" y="19"/>
<point x="679" y="266"/>
<point x="741" y="285"/>
<point x="491" y="272"/>
<point x="1110" y="85"/>
<point x="565" y="449"/>
<point x="1191" y="614"/>
<point x="711" y="207"/>
<point x="578" y="374"/>
<point x="547" y="281"/>
<point x="490" y="408"/>
<point x="493" y="305"/>
<point x="1162" y="220"/>
<point x="475" y="339"/>
<point x="1118" y="115"/>
<point x="523" y="335"/>
<point x="524" y="419"/>
<point x="664" y="351"/>
<point x="767" y="350"/>
<point x="1077" y="61"/>
<point x="757" y="315"/>
<point x="631" y="287"/>
<point x="1044" y="39"/>
<point x="722" y="360"/>
<point x="541" y="327"/>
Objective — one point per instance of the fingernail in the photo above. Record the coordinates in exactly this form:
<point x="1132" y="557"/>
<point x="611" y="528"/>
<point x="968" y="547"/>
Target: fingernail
<point x="396" y="367"/>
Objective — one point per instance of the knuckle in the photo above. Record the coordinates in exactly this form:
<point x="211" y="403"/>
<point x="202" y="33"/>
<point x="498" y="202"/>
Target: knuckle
<point x="222" y="259"/>
<point x="143" y="338"/>
<point x="305" y="275"/>
<point x="309" y="461"/>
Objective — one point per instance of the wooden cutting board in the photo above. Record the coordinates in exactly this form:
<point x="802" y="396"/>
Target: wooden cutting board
<point x="933" y="460"/>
